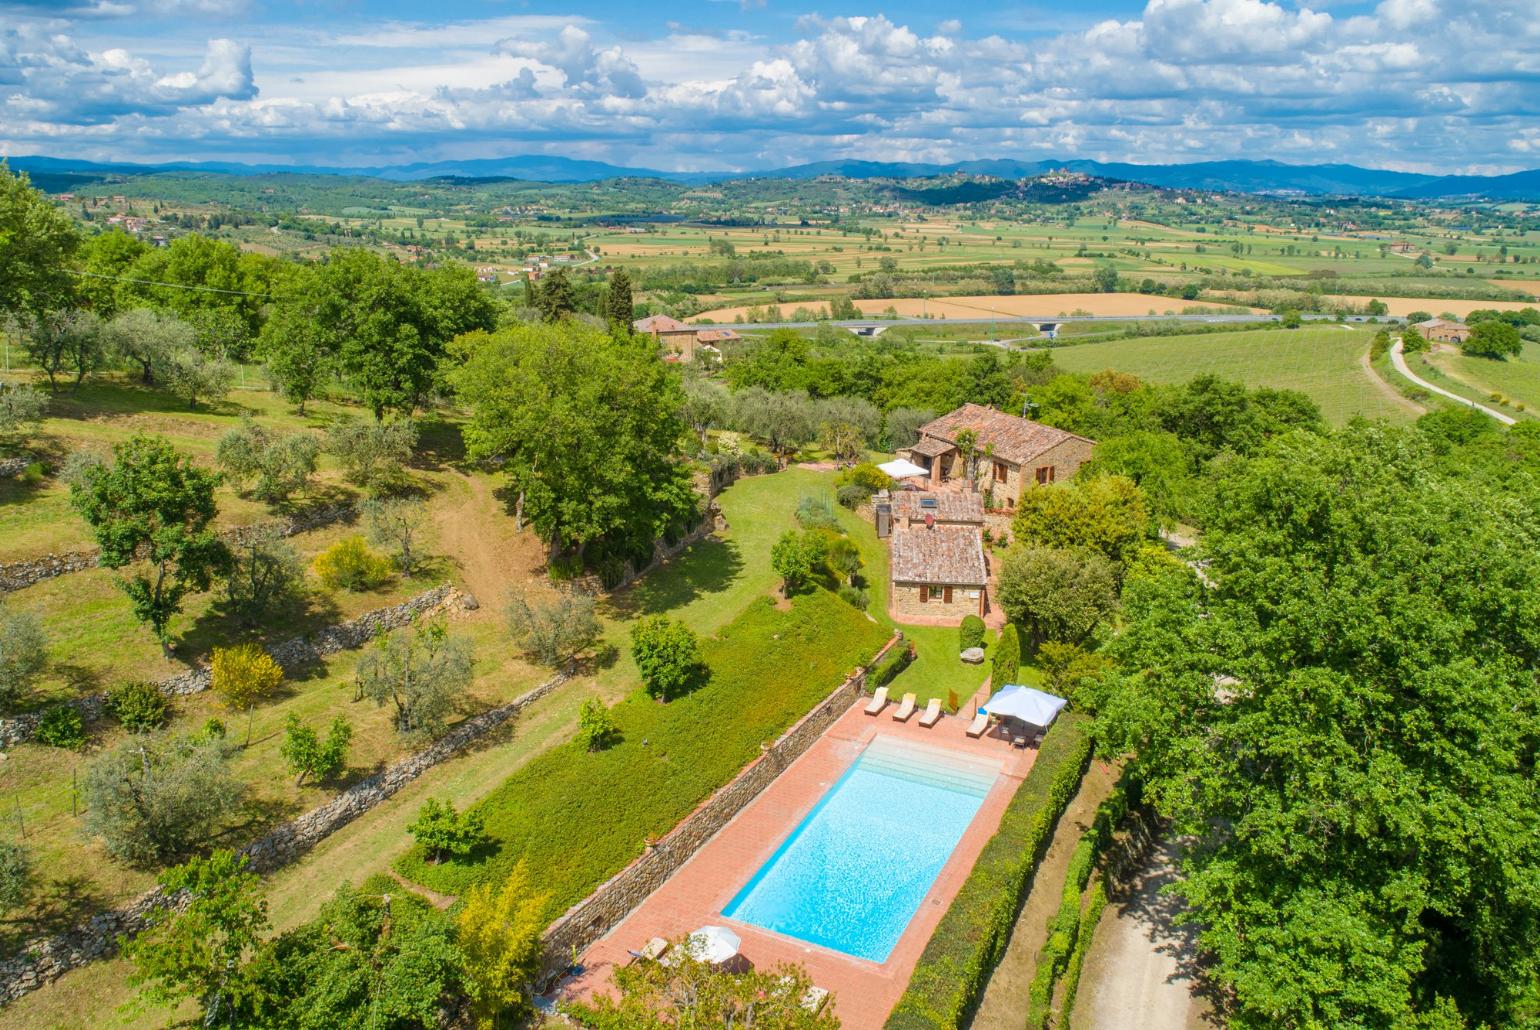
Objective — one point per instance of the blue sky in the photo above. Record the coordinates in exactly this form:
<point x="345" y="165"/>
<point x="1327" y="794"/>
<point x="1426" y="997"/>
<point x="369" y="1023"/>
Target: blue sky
<point x="1427" y="85"/>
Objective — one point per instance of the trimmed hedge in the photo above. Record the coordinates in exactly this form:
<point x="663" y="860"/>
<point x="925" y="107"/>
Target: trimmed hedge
<point x="971" y="937"/>
<point x="893" y="663"/>
<point x="1088" y="921"/>
<point x="578" y="817"/>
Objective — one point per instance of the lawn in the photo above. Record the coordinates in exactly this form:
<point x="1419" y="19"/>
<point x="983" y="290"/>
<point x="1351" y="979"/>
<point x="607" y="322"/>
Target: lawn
<point x="578" y="817"/>
<point x="1323" y="362"/>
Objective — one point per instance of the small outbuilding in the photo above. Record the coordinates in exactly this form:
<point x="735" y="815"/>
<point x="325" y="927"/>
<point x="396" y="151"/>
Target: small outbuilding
<point x="938" y="572"/>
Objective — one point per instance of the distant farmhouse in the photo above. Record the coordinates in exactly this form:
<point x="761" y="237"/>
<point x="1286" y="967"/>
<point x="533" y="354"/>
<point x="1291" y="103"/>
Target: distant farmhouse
<point x="682" y="342"/>
<point x="1440" y="330"/>
<point x="1013" y="452"/>
<point x="934" y="520"/>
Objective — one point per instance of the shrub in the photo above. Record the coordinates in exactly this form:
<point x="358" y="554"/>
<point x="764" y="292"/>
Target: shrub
<point x="867" y="476"/>
<point x="23" y="653"/>
<point x="244" y="676"/>
<point x="1067" y="668"/>
<point x="15" y="875"/>
<point x="213" y="729"/>
<point x="61" y="726"/>
<point x="972" y="935"/>
<point x="373" y="455"/>
<point x="970" y="633"/>
<point x="440" y="830"/>
<point x="273" y="466"/>
<point x="21" y="408"/>
<point x="854" y="596"/>
<point x="1007" y="659"/>
<point x="139" y="706"/>
<point x="852" y="496"/>
<point x="817" y="513"/>
<point x="349" y="564"/>
<point x="595" y="727"/>
<point x="795" y="557"/>
<point x="553" y="631"/>
<point x="151" y="799"/>
<point x="308" y="755"/>
<point x="894" y="662"/>
<point x="668" y="656"/>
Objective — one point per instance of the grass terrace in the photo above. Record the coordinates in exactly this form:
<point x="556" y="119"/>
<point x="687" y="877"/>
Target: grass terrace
<point x="580" y="817"/>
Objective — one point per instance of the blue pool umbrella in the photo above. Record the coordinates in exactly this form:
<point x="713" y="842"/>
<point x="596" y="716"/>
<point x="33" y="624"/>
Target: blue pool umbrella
<point x="1025" y="703"/>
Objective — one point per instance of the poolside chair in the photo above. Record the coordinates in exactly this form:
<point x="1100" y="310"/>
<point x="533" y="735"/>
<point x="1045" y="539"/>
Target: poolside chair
<point x="652" y="951"/>
<point x="932" y="713"/>
<point x="905" y="709"/>
<point x="878" y="702"/>
<point x="979" y="724"/>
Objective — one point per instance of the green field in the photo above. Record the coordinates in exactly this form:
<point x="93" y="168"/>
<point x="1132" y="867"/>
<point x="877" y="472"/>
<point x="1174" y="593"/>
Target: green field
<point x="1325" y="363"/>
<point x="1517" y="379"/>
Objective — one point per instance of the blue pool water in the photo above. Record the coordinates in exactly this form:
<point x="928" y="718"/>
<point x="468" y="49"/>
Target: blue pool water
<point x="853" y="872"/>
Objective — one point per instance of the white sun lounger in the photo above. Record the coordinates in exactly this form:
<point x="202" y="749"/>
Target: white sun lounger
<point x="979" y="724"/>
<point x="905" y="709"/>
<point x="932" y="713"/>
<point x="878" y="702"/>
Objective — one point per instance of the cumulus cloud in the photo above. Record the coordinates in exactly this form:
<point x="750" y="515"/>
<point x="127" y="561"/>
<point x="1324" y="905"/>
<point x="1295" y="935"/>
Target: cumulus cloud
<point x="1183" y="79"/>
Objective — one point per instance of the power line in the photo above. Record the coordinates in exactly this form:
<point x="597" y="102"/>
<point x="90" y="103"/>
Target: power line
<point x="175" y="286"/>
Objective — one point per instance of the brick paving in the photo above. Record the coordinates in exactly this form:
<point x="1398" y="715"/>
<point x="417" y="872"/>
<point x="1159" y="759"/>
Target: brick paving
<point x="864" y="992"/>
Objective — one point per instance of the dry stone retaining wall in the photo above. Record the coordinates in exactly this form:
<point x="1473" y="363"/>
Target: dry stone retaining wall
<point x="13" y="467"/>
<point x="291" y="654"/>
<point x="602" y="911"/>
<point x="18" y="575"/>
<point x="44" y="960"/>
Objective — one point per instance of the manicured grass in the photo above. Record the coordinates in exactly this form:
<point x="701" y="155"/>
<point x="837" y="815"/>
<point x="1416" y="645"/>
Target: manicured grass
<point x="578" y="817"/>
<point x="1323" y="362"/>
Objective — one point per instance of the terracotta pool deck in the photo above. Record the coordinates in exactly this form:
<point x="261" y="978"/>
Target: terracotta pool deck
<point x="864" y="992"/>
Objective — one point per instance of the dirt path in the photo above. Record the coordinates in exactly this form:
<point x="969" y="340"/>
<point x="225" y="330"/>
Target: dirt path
<point x="1140" y="969"/>
<point x="1005" y="996"/>
<point x="476" y="532"/>
<point x="1390" y="392"/>
<point x="434" y="898"/>
<point x="1398" y="359"/>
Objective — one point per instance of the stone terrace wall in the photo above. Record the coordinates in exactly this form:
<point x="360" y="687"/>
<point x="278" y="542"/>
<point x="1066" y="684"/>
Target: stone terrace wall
<point x="44" y="960"/>
<point x="291" y="654"/>
<point x="18" y="575"/>
<point x="13" y="466"/>
<point x="602" y="911"/>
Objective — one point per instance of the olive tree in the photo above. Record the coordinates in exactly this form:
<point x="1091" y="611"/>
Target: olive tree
<point x="151" y="799"/>
<point x="421" y="673"/>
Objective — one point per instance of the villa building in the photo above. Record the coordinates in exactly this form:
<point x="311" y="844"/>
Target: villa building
<point x="682" y="342"/>
<point x="938" y="572"/>
<point x="1440" y="330"/>
<point x="1013" y="453"/>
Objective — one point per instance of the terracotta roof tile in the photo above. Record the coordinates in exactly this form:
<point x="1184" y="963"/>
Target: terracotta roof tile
<point x="1015" y="439"/>
<point x="951" y="506"/>
<point x="949" y="555"/>
<point x="658" y="324"/>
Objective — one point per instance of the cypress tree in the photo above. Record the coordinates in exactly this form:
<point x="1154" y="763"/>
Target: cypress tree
<point x="1007" y="661"/>
<point x="618" y="305"/>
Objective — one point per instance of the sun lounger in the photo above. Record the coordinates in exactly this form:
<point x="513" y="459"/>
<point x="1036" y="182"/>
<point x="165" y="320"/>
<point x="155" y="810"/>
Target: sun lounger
<point x="932" y="713"/>
<point x="979" y="724"/>
<point x="878" y="702"/>
<point x="905" y="709"/>
<point x="652" y="951"/>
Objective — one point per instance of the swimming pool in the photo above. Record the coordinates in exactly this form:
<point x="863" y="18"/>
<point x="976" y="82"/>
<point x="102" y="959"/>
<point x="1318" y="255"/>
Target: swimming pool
<point x="853" y="872"/>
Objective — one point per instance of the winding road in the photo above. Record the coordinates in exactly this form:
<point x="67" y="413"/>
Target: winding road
<point x="1398" y="359"/>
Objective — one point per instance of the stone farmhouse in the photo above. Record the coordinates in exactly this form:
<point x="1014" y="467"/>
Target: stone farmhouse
<point x="1440" y="330"/>
<point x="1012" y="453"/>
<point x="683" y="342"/>
<point x="939" y="572"/>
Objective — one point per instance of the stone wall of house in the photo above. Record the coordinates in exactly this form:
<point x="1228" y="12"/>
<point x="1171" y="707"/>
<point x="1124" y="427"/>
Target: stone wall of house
<point x="18" y="575"/>
<point x="43" y="960"/>
<point x="905" y="602"/>
<point x="594" y="916"/>
<point x="291" y="654"/>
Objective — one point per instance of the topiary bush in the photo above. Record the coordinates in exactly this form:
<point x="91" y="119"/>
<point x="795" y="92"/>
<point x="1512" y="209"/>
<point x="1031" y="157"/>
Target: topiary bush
<point x="139" y="706"/>
<point x="970" y="633"/>
<point x="61" y="726"/>
<point x="1007" y="659"/>
<point x="349" y="564"/>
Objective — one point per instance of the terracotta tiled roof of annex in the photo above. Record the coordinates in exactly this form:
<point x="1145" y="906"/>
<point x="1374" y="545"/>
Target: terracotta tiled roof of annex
<point x="939" y="554"/>
<point x="951" y="506"/>
<point x="1015" y="439"/>
<point x="658" y="324"/>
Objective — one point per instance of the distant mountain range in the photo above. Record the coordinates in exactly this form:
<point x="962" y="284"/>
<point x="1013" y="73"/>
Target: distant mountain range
<point x="1269" y="177"/>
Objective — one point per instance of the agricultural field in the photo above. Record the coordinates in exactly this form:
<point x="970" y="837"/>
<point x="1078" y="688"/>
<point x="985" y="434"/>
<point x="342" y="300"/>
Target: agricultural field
<point x="1327" y="363"/>
<point x="1517" y="380"/>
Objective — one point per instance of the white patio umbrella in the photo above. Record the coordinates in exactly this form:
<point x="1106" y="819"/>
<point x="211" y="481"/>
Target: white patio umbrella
<point x="901" y="469"/>
<point x="713" y="944"/>
<point x="1025" y="703"/>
